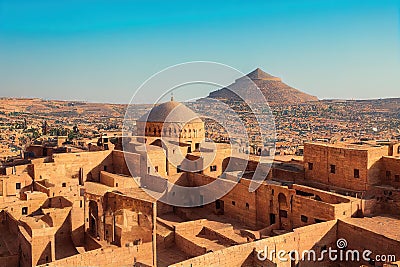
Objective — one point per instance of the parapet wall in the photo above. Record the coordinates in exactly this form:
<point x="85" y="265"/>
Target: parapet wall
<point x="306" y="238"/>
<point x="110" y="256"/>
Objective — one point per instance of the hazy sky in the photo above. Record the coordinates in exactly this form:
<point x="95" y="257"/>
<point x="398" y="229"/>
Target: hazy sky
<point x="103" y="50"/>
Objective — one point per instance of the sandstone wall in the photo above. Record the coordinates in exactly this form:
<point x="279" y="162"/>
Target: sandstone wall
<point x="310" y="237"/>
<point x="110" y="256"/>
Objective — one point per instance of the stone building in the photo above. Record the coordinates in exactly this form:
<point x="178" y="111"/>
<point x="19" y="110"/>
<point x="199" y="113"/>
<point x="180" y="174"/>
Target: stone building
<point x="93" y="208"/>
<point x="172" y="121"/>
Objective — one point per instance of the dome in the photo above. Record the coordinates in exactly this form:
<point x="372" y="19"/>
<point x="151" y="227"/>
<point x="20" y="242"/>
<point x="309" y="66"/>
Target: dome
<point x="179" y="113"/>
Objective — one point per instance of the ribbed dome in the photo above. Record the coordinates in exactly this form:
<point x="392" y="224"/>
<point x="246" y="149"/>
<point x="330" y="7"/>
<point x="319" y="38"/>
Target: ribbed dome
<point x="179" y="113"/>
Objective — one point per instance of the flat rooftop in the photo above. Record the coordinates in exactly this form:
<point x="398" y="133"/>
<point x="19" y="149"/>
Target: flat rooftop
<point x="355" y="146"/>
<point x="388" y="226"/>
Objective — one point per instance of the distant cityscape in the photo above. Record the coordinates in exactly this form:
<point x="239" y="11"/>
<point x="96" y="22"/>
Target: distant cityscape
<point x="24" y="121"/>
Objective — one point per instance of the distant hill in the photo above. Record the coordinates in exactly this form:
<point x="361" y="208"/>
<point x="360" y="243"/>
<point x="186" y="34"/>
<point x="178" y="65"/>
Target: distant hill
<point x="274" y="90"/>
<point x="60" y="108"/>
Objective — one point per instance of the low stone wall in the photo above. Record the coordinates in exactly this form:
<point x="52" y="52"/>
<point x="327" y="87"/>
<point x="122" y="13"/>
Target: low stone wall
<point x="305" y="238"/>
<point x="110" y="256"/>
<point x="189" y="247"/>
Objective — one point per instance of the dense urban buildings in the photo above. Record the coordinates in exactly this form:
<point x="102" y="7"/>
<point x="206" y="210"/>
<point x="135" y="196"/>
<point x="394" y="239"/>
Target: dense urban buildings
<point x="80" y="199"/>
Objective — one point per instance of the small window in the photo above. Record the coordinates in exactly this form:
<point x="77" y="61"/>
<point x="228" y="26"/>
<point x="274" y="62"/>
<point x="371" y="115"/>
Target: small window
<point x="310" y="166"/>
<point x="148" y="169"/>
<point x="233" y="203"/>
<point x="116" y="184"/>
<point x="213" y="168"/>
<point x="397" y="178"/>
<point x="304" y="218"/>
<point x="156" y="168"/>
<point x="105" y="168"/>
<point x="18" y="186"/>
<point x="80" y="203"/>
<point x="333" y="169"/>
<point x="388" y="175"/>
<point x="247" y="206"/>
<point x="64" y="184"/>
<point x="272" y="192"/>
<point x="356" y="173"/>
<point x="25" y="211"/>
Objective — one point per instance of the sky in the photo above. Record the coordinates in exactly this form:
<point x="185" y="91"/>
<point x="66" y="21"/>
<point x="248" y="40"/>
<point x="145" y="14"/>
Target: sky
<point x="102" y="51"/>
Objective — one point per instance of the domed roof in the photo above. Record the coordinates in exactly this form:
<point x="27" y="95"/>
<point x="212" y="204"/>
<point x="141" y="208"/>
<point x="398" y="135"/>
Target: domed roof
<point x="171" y="111"/>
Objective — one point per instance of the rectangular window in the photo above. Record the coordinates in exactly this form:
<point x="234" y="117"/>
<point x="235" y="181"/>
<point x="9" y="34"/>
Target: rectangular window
<point x="304" y="218"/>
<point x="247" y="206"/>
<point x="356" y="173"/>
<point x="156" y="168"/>
<point x="272" y="219"/>
<point x="18" y="186"/>
<point x="333" y="169"/>
<point x="388" y="175"/>
<point x="310" y="166"/>
<point x="397" y="178"/>
<point x="64" y="185"/>
<point x="213" y="168"/>
<point x="233" y="203"/>
<point x="25" y="211"/>
<point x="218" y="204"/>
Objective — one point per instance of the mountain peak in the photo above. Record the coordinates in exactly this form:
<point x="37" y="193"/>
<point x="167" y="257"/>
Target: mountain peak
<point x="259" y="74"/>
<point x="274" y="90"/>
